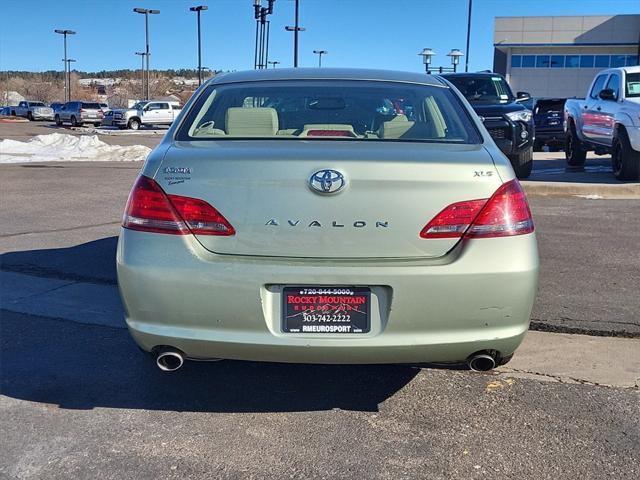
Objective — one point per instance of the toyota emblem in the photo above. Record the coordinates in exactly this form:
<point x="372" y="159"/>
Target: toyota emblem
<point x="327" y="181"/>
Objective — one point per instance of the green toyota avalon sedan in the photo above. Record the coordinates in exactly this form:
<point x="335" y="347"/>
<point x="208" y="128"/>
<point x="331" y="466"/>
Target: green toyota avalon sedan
<point x="328" y="216"/>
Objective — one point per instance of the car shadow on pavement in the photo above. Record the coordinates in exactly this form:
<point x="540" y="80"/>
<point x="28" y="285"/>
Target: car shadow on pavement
<point x="79" y="365"/>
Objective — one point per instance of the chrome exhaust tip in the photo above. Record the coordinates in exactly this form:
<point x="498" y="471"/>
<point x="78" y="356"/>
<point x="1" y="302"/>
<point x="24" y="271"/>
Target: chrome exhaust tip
<point x="169" y="359"/>
<point x="481" y="362"/>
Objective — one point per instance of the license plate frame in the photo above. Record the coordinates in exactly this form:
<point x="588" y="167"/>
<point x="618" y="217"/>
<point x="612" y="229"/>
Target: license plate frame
<point x="342" y="310"/>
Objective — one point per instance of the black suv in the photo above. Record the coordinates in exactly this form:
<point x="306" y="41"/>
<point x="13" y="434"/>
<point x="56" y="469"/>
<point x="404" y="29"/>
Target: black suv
<point x="509" y="123"/>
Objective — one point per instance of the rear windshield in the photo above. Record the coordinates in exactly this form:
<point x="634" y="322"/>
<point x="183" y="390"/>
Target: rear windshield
<point x="549" y="106"/>
<point x="483" y="89"/>
<point x="329" y="110"/>
<point x="36" y="104"/>
<point x="632" y="85"/>
<point x="91" y="105"/>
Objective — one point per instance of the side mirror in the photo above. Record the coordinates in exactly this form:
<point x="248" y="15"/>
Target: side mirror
<point x="522" y="96"/>
<point x="607" y="94"/>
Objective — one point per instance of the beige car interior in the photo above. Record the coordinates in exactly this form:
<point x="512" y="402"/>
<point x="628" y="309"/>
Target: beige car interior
<point x="263" y="122"/>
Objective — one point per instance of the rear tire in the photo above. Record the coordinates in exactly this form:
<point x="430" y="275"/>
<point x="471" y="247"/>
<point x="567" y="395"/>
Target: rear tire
<point x="30" y="116"/>
<point x="522" y="163"/>
<point x="58" y="121"/>
<point x="133" y="124"/>
<point x="74" y="121"/>
<point x="625" y="161"/>
<point x="573" y="148"/>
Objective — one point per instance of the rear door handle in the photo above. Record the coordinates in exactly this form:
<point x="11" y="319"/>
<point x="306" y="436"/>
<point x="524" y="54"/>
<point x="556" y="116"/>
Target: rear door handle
<point x="599" y="108"/>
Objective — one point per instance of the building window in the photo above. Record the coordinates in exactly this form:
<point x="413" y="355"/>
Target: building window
<point x="632" y="60"/>
<point x="557" y="61"/>
<point x="571" y="61"/>
<point x="528" y="61"/>
<point x="602" y="61"/>
<point x="516" y="61"/>
<point x="586" y="61"/>
<point x="618" y="60"/>
<point x="542" y="61"/>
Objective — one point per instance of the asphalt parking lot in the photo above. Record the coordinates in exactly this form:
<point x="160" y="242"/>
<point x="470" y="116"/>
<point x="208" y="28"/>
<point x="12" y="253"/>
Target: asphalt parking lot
<point x="80" y="401"/>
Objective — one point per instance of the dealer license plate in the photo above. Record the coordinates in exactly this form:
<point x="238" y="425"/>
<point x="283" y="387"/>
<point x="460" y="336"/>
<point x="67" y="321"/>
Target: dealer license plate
<point x="319" y="310"/>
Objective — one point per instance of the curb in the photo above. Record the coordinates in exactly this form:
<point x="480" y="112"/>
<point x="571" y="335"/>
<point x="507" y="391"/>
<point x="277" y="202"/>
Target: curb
<point x="621" y="191"/>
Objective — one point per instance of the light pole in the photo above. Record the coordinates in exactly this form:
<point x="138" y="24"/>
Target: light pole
<point x="198" y="9"/>
<point x="68" y="62"/>
<point x="146" y="12"/>
<point x="66" y="65"/>
<point x="263" y="28"/>
<point x="466" y="61"/>
<point x="320" y="53"/>
<point x="455" y="55"/>
<point x="142" y="55"/>
<point x="274" y="63"/>
<point x="295" y="29"/>
<point x="427" y="54"/>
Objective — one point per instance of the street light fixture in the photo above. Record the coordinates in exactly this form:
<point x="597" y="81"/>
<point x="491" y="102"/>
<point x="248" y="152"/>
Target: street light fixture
<point x="142" y="55"/>
<point x="295" y="29"/>
<point x="320" y="53"/>
<point x="198" y="9"/>
<point x="146" y="12"/>
<point x="274" y="63"/>
<point x="67" y="81"/>
<point x="455" y="55"/>
<point x="427" y="54"/>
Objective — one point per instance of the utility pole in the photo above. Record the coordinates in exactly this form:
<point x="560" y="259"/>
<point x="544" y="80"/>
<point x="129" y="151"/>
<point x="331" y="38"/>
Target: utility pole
<point x="146" y="12"/>
<point x="67" y="80"/>
<point x="295" y="29"/>
<point x="69" y="60"/>
<point x="198" y="9"/>
<point x="466" y="62"/>
<point x="142" y="55"/>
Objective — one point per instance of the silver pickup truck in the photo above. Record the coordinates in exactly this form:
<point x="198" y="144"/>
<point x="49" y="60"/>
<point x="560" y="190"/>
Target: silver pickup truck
<point x="146" y="113"/>
<point x="33" y="111"/>
<point x="607" y="121"/>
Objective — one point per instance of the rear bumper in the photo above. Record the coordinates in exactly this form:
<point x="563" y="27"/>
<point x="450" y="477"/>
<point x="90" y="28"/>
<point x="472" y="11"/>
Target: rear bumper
<point x="550" y="135"/>
<point x="215" y="306"/>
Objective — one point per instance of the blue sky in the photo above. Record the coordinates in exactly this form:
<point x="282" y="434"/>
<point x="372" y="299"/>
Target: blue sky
<point x="373" y="33"/>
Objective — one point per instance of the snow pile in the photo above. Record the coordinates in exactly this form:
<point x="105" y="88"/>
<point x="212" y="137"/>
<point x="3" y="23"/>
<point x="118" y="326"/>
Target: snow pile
<point x="59" y="147"/>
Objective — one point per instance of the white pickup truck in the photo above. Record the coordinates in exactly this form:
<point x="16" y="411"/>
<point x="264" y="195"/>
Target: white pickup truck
<point x="607" y="121"/>
<point x="146" y="113"/>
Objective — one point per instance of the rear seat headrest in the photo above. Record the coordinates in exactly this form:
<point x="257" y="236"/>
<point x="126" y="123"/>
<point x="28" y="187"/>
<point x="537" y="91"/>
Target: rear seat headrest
<point x="252" y="121"/>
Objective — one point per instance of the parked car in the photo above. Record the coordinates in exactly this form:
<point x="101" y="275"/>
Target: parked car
<point x="107" y="120"/>
<point x="5" y="111"/>
<point x="104" y="107"/>
<point x="287" y="216"/>
<point x="607" y="121"/>
<point x="548" y="119"/>
<point x="78" y="113"/>
<point x="33" y="111"/>
<point x="56" y="106"/>
<point x="146" y="113"/>
<point x="509" y="123"/>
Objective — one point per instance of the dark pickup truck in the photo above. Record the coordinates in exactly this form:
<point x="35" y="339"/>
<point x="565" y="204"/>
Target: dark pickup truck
<point x="509" y="123"/>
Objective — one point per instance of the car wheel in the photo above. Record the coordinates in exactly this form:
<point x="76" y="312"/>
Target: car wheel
<point x="13" y="113"/>
<point x="625" y="161"/>
<point x="573" y="148"/>
<point x="134" y="124"/>
<point x="58" y="121"/>
<point x="30" y="116"/>
<point x="522" y="163"/>
<point x="74" y="121"/>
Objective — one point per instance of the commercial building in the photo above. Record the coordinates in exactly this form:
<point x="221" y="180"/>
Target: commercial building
<point x="559" y="56"/>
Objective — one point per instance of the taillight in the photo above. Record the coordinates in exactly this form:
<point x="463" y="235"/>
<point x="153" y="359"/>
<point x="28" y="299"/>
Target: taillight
<point x="150" y="209"/>
<point x="505" y="214"/>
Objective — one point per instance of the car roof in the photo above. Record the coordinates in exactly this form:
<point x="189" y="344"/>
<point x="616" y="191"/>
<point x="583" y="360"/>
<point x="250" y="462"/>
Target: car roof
<point x="472" y="74"/>
<point x="326" y="74"/>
